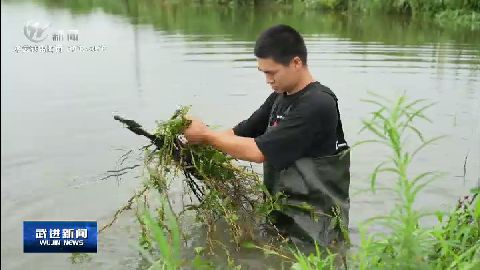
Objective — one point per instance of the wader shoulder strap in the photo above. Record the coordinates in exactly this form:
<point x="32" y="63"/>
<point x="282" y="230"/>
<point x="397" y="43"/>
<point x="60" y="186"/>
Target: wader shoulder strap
<point x="340" y="136"/>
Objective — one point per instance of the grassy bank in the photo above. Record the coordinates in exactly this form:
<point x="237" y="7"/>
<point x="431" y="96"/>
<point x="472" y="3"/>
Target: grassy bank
<point x="458" y="12"/>
<point x="449" y="14"/>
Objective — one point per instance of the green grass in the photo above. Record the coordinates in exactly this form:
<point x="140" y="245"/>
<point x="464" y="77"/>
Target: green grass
<point x="164" y="238"/>
<point x="163" y="235"/>
<point x="318" y="260"/>
<point x="457" y="238"/>
<point x="407" y="244"/>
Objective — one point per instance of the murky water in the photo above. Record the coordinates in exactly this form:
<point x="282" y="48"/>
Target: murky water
<point x="58" y="136"/>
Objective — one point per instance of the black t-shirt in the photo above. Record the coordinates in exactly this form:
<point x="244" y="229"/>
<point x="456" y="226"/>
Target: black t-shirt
<point x="301" y="125"/>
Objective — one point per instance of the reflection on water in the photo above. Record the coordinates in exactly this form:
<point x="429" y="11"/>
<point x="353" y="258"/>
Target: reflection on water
<point x="58" y="135"/>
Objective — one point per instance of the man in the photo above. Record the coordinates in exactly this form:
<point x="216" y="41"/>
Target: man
<point x="297" y="135"/>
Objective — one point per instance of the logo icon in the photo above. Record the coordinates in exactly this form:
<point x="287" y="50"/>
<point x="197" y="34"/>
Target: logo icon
<point x="35" y="32"/>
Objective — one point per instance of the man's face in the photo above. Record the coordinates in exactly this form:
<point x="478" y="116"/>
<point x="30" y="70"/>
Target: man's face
<point x="281" y="78"/>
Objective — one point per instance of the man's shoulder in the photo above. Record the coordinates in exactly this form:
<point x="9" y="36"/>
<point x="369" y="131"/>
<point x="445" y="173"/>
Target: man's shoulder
<point x="319" y="95"/>
<point x="271" y="98"/>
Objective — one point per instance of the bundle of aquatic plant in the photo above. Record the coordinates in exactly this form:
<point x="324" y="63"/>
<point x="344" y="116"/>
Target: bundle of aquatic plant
<point x="219" y="187"/>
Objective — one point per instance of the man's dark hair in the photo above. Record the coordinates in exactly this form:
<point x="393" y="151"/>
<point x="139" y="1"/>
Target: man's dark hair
<point x="281" y="43"/>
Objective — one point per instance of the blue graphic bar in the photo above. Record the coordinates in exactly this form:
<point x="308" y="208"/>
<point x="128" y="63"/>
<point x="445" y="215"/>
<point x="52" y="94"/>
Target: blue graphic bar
<point x="60" y="236"/>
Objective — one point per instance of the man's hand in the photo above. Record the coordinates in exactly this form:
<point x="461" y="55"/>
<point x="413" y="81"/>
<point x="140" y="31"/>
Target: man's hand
<point x="197" y="132"/>
<point x="227" y="142"/>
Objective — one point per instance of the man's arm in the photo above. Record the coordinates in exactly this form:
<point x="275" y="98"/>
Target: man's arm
<point x="237" y="142"/>
<point x="228" y="132"/>
<point x="257" y="123"/>
<point x="238" y="147"/>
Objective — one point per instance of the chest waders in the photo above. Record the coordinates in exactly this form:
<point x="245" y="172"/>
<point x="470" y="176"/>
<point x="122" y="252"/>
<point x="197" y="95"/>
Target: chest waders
<point x="319" y="182"/>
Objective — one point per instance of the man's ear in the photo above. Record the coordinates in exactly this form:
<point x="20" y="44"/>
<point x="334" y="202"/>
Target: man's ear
<point x="297" y="62"/>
